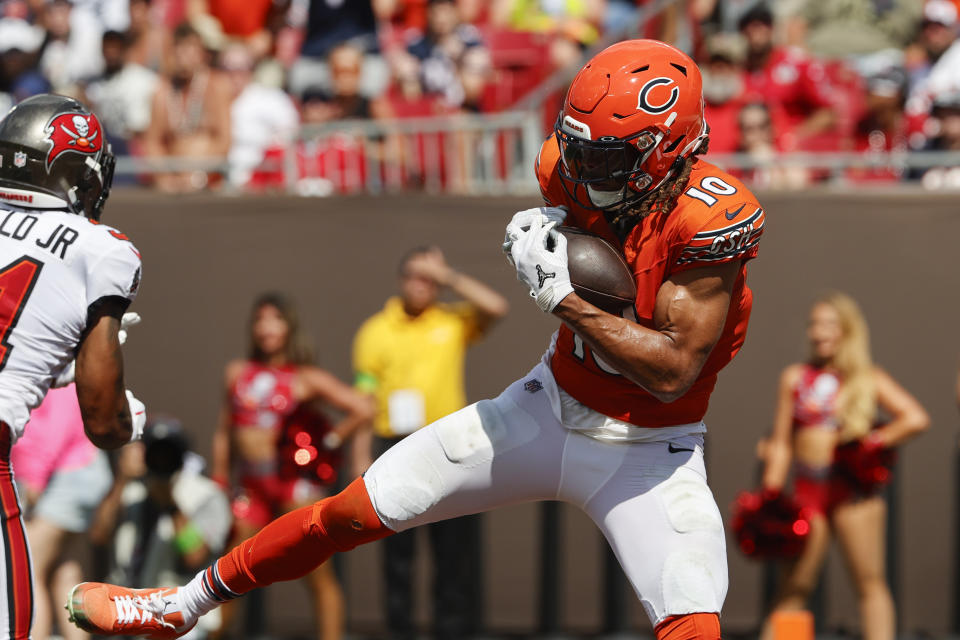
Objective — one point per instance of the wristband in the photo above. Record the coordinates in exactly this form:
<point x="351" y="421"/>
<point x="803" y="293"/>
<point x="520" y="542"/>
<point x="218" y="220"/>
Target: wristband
<point x="188" y="539"/>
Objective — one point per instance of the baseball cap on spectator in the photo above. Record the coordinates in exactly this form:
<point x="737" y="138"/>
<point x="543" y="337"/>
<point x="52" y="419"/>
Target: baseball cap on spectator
<point x="20" y="35"/>
<point x="889" y="82"/>
<point x="760" y="12"/>
<point x="940" y="12"/>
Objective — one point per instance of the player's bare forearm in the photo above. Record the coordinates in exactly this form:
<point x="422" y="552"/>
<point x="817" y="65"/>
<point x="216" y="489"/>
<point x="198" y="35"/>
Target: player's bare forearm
<point x="99" y="382"/>
<point x="689" y="315"/>
<point x="644" y="356"/>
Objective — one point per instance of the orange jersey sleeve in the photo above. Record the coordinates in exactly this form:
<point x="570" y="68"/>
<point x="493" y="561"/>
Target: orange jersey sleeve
<point x="720" y="220"/>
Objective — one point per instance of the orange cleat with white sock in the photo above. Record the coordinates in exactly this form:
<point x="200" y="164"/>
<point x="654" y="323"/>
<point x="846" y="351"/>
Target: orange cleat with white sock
<point x="109" y="610"/>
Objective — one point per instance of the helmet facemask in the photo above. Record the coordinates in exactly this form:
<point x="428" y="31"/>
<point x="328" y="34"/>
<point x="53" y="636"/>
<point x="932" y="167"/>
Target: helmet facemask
<point x="108" y="163"/>
<point x="90" y="195"/>
<point x="607" y="174"/>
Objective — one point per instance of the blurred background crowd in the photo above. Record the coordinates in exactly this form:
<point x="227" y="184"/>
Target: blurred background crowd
<point x="294" y="94"/>
<point x="328" y="97"/>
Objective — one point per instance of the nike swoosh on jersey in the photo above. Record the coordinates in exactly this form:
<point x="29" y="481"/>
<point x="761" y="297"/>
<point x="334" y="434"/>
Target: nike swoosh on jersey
<point x="675" y="449"/>
<point x="731" y="216"/>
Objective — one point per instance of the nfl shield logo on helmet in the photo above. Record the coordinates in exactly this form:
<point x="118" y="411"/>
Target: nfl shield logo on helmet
<point x="20" y="159"/>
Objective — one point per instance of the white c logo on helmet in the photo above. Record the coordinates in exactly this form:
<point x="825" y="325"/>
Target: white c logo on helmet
<point x="644" y="104"/>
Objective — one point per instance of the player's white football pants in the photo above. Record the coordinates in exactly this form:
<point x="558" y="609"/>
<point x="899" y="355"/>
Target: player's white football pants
<point x="653" y="505"/>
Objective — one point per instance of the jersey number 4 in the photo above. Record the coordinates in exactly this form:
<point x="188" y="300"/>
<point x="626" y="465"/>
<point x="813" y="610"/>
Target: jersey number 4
<point x="16" y="284"/>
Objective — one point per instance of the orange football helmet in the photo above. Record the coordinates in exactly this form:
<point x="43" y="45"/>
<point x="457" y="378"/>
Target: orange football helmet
<point x="631" y="116"/>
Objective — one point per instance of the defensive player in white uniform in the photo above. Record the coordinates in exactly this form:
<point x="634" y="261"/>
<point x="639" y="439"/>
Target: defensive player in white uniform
<point x="65" y="282"/>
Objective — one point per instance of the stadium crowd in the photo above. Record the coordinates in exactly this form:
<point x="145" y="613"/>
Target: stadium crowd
<point x="234" y="81"/>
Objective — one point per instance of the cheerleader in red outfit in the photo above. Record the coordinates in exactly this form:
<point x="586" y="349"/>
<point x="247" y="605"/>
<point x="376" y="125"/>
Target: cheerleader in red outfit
<point x="825" y="426"/>
<point x="267" y="395"/>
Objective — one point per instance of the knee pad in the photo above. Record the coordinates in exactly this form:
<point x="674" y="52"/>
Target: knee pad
<point x="348" y="519"/>
<point x="692" y="626"/>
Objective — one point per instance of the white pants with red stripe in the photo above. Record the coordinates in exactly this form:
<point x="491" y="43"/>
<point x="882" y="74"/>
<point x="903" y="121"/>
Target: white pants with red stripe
<point x="650" y="499"/>
<point x="16" y="579"/>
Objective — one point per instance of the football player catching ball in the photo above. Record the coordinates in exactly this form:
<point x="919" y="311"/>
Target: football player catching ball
<point x="610" y="420"/>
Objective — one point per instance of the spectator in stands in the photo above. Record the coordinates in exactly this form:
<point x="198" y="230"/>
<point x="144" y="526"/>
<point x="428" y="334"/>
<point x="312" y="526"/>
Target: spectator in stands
<point x="723" y="90"/>
<point x="447" y="61"/>
<point x="572" y="25"/>
<point x="190" y="114"/>
<point x="272" y="110"/>
<point x="19" y="76"/>
<point x="826" y="425"/>
<point x="335" y="162"/>
<point x="946" y="123"/>
<point x="856" y="27"/>
<point x="883" y="126"/>
<point x="61" y="478"/>
<point x="71" y="51"/>
<point x="331" y="23"/>
<point x="253" y="22"/>
<point x="757" y="140"/>
<point x="344" y="98"/>
<point x="162" y="519"/>
<point x="409" y="357"/>
<point x="938" y="32"/>
<point x="150" y="46"/>
<point x="122" y="95"/>
<point x="793" y="86"/>
<point x="941" y="77"/>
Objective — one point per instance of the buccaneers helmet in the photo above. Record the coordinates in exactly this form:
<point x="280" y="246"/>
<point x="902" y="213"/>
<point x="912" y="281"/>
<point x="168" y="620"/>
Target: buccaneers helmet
<point x="631" y="116"/>
<point x="54" y="155"/>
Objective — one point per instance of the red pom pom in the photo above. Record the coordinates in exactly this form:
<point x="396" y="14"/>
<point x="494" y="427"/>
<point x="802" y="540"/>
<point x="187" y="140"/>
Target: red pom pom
<point x="862" y="467"/>
<point x="769" y="524"/>
<point x="299" y="453"/>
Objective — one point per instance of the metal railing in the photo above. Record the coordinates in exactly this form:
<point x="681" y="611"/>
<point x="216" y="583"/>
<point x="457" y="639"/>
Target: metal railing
<point x="492" y="155"/>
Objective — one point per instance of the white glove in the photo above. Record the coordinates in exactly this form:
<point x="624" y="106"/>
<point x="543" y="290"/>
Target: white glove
<point x="542" y="269"/>
<point x="524" y="218"/>
<point x="128" y="320"/>
<point x="138" y="416"/>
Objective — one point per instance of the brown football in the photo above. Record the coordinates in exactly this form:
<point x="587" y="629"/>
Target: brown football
<point x="598" y="272"/>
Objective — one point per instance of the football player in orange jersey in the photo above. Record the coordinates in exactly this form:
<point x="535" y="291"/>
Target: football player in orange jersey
<point x="610" y="420"/>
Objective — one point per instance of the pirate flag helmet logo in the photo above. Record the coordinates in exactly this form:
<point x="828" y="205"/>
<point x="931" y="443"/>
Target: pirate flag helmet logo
<point x="73" y="132"/>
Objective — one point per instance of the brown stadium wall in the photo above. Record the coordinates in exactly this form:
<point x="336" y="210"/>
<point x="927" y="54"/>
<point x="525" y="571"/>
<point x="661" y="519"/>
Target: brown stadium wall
<point x="206" y="257"/>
